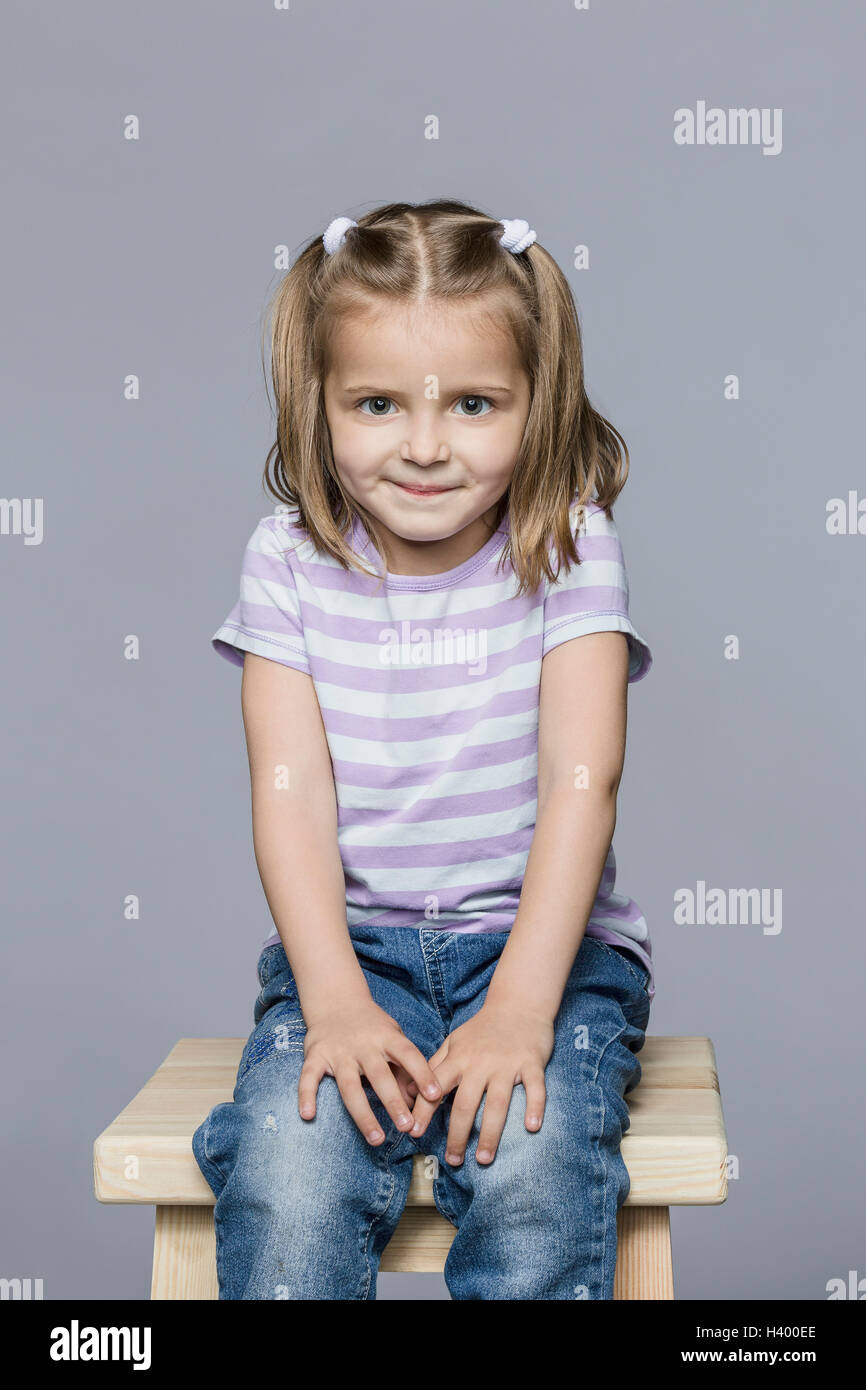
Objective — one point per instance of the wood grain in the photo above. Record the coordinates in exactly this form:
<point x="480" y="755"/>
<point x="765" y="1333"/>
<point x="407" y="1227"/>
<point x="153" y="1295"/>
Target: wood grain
<point x="675" y="1149"/>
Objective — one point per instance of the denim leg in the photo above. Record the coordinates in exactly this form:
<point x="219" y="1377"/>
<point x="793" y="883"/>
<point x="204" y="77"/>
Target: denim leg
<point x="304" y="1207"/>
<point x="539" y="1222"/>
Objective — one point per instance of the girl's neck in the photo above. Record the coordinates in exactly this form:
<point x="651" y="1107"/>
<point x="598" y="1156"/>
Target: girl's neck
<point x="422" y="559"/>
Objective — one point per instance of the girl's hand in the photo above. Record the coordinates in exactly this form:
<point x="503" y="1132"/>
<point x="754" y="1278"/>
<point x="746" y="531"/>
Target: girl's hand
<point x="498" y="1047"/>
<point x="404" y="1081"/>
<point x="360" y="1039"/>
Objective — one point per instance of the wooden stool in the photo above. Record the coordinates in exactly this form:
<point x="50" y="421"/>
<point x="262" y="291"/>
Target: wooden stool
<point x="675" y="1152"/>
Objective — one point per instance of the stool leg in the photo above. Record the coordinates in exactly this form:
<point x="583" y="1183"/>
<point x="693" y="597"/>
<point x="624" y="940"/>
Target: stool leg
<point x="644" y="1268"/>
<point x="184" y="1254"/>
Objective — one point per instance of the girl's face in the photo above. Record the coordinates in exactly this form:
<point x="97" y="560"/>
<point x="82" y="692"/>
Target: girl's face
<point x="432" y="398"/>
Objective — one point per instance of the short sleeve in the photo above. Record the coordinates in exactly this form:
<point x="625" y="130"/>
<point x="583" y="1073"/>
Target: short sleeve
<point x="593" y="596"/>
<point x="266" y="619"/>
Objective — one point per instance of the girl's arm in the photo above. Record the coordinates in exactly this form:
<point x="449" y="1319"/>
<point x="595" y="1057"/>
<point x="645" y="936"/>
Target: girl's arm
<point x="294" y="811"/>
<point x="582" y="725"/>
<point x="581" y="749"/>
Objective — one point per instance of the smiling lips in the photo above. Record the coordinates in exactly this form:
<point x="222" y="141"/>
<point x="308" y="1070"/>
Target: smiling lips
<point x="422" y="491"/>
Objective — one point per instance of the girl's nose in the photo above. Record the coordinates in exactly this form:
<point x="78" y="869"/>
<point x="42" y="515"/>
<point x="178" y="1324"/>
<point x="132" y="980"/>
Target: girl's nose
<point x="424" y="446"/>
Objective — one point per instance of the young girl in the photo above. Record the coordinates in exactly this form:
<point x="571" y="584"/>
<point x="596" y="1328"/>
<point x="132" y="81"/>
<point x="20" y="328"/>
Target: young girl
<point x="434" y="765"/>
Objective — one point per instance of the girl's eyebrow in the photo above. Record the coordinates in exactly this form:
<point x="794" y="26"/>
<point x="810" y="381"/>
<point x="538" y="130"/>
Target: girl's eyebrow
<point x="378" y="390"/>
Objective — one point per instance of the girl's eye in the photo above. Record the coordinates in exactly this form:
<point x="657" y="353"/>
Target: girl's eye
<point x="376" y="402"/>
<point x="379" y="406"/>
<point x="474" y="404"/>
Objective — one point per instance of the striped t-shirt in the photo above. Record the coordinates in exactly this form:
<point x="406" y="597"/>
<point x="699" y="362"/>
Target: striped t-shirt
<point x="429" y="690"/>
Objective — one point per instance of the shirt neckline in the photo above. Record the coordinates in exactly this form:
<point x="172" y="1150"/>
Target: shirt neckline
<point x="446" y="579"/>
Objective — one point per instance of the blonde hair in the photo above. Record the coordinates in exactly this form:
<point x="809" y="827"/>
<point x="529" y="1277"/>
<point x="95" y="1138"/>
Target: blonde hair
<point x="438" y="251"/>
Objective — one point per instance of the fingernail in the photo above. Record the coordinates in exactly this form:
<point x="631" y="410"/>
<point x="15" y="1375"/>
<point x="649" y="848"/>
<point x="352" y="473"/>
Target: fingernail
<point x="404" y="1119"/>
<point x="306" y="1111"/>
<point x="453" y="1158"/>
<point x="374" y="1136"/>
<point x="483" y="1155"/>
<point x="416" y="1128"/>
<point x="431" y="1091"/>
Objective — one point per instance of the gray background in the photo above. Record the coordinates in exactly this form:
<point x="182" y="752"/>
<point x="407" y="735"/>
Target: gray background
<point x="156" y="257"/>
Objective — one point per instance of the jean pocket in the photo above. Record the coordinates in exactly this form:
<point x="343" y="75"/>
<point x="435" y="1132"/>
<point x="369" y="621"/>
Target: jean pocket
<point x="636" y="969"/>
<point x="283" y="1031"/>
<point x="277" y="980"/>
<point x="202" y="1147"/>
<point x="271" y="961"/>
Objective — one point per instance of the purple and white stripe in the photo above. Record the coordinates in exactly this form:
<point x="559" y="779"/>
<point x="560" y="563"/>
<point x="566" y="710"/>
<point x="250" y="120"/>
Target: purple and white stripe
<point x="428" y="689"/>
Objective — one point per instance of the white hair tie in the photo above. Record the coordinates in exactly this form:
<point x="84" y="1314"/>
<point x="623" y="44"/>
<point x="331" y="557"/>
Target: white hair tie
<point x="335" y="233"/>
<point x="516" y="238"/>
<point x="517" y="235"/>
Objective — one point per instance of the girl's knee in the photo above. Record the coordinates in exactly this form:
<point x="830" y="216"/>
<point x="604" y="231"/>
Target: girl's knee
<point x="271" y="1155"/>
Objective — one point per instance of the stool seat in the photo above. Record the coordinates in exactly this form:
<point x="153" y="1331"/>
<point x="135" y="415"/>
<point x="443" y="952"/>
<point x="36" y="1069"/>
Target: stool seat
<point x="675" y="1151"/>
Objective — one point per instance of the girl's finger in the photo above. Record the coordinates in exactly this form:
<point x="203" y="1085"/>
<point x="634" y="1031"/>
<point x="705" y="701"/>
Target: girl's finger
<point x="355" y="1101"/>
<point x="408" y="1089"/>
<point x="536" y="1098"/>
<point x="447" y="1076"/>
<point x="467" y="1099"/>
<point x="422" y="1111"/>
<point x="308" y="1085"/>
<point x="384" y="1083"/>
<point x="402" y="1049"/>
<point x="493" y="1121"/>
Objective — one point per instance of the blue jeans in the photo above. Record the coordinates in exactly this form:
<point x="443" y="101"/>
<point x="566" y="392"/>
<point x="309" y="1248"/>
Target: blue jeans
<point x="305" y="1208"/>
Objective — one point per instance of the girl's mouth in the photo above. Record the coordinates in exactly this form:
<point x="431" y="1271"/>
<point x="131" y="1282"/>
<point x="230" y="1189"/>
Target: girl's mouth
<point x="422" y="491"/>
